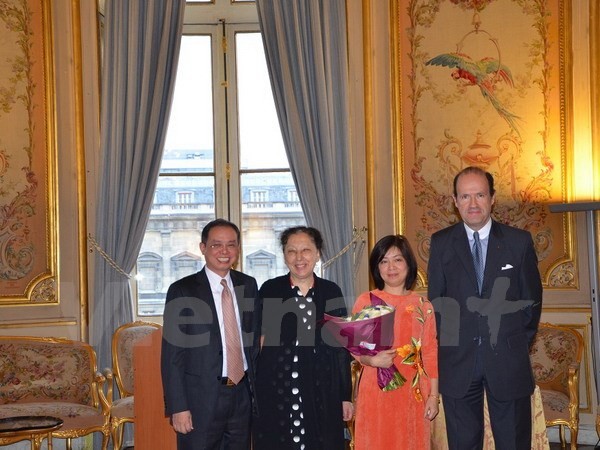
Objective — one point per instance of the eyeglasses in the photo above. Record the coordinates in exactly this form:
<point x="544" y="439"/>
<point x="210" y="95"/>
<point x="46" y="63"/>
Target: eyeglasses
<point x="230" y="246"/>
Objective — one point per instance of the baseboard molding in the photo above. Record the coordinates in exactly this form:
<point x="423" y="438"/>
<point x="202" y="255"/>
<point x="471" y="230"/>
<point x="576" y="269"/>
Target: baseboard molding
<point x="586" y="435"/>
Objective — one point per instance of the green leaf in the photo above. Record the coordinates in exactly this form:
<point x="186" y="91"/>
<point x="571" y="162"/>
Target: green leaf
<point x="415" y="380"/>
<point x="409" y="359"/>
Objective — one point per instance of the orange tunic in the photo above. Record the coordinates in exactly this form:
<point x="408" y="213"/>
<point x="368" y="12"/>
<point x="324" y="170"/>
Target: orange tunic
<point x="395" y="419"/>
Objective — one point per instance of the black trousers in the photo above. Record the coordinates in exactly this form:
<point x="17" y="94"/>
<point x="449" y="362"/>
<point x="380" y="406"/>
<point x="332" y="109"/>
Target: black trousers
<point x="225" y="428"/>
<point x="510" y="420"/>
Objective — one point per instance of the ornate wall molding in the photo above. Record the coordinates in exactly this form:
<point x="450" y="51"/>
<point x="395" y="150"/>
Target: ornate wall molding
<point x="28" y="207"/>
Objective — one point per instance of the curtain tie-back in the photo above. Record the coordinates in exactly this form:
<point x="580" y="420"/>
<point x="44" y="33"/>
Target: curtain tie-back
<point x="95" y="246"/>
<point x="357" y="237"/>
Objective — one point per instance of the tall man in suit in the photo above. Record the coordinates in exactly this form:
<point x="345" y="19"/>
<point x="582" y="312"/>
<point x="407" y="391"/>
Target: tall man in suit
<point x="485" y="325"/>
<point x="208" y="394"/>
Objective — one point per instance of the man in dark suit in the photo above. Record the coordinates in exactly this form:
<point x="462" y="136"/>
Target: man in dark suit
<point x="208" y="394"/>
<point x="487" y="322"/>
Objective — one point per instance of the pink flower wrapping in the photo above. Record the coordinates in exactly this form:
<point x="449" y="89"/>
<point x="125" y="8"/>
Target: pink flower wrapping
<point x="363" y="334"/>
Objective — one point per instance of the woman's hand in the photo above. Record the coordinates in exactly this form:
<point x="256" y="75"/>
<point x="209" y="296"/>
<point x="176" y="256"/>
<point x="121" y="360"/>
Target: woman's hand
<point x="432" y="406"/>
<point x="347" y="411"/>
<point x="383" y="359"/>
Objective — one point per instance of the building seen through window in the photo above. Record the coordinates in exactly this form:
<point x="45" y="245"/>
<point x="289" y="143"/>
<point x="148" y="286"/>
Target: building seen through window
<point x="171" y="245"/>
<point x="223" y="157"/>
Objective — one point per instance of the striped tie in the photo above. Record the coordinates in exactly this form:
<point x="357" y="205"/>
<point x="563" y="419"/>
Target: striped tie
<point x="478" y="260"/>
<point x="235" y="363"/>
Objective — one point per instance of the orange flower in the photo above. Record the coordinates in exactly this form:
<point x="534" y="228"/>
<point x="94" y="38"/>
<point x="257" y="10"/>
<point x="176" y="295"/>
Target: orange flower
<point x="418" y="395"/>
<point x="410" y="308"/>
<point x="404" y="350"/>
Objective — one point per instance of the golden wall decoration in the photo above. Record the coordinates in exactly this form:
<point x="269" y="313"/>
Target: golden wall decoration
<point x="28" y="228"/>
<point x="484" y="83"/>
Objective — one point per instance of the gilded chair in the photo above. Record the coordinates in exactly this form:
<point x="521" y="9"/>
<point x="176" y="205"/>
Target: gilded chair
<point x="356" y="372"/>
<point x="57" y="378"/>
<point x="555" y="358"/>
<point x="124" y="339"/>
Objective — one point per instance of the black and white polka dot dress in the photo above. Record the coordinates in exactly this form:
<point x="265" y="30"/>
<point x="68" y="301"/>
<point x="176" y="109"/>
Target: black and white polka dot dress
<point x="300" y="381"/>
<point x="305" y="312"/>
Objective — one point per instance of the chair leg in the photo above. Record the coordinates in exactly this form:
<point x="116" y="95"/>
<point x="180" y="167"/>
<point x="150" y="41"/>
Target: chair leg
<point x="36" y="442"/>
<point x="117" y="436"/>
<point x="574" y="430"/>
<point x="105" y="437"/>
<point x="69" y="443"/>
<point x="561" y="435"/>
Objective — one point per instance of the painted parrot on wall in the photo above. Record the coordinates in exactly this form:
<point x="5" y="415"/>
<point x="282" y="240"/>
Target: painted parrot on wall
<point x="484" y="73"/>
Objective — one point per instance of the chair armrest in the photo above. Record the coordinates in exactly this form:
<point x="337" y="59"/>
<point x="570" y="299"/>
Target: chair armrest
<point x="108" y="374"/>
<point x="104" y="388"/>
<point x="573" y="382"/>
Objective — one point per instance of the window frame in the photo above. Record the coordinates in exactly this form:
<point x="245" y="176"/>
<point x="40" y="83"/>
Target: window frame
<point x="222" y="21"/>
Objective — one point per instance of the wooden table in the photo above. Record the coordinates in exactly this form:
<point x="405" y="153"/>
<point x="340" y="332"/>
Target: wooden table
<point x="34" y="428"/>
<point x="152" y="429"/>
<point x="539" y="439"/>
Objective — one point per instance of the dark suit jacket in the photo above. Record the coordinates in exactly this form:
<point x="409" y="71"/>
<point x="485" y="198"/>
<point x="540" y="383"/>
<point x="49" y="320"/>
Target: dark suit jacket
<point x="506" y="327"/>
<point x="192" y="355"/>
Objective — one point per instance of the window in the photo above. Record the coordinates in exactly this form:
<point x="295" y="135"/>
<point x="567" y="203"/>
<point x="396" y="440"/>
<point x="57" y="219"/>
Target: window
<point x="223" y="155"/>
<point x="293" y="201"/>
<point x="149" y="272"/>
<point x="258" y="198"/>
<point x="184" y="264"/>
<point x="185" y="200"/>
<point x="262" y="265"/>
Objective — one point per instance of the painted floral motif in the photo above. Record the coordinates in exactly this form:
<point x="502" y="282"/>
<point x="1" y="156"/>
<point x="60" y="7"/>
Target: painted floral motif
<point x="477" y="5"/>
<point x="18" y="188"/>
<point x="4" y="163"/>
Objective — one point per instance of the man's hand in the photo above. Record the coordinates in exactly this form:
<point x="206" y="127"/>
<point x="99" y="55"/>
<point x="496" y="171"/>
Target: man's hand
<point x="182" y="422"/>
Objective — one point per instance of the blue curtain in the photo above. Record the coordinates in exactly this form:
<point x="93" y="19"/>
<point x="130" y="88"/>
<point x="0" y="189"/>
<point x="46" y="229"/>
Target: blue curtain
<point x="306" y="52"/>
<point x="141" y="50"/>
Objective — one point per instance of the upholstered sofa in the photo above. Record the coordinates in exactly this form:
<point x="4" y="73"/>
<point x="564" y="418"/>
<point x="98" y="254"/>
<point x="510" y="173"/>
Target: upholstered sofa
<point x="53" y="377"/>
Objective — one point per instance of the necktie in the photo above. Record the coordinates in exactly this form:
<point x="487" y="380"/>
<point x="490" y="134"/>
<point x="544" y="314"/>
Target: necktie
<point x="478" y="260"/>
<point x="235" y="363"/>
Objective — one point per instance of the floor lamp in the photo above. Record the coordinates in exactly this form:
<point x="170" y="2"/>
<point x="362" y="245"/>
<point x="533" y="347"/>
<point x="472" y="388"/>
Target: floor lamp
<point x="589" y="208"/>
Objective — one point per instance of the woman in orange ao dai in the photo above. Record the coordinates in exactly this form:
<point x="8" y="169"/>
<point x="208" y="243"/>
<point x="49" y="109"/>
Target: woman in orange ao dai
<point x="398" y="419"/>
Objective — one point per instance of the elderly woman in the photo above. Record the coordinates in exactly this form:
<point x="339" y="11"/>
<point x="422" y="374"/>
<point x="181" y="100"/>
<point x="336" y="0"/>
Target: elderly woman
<point x="303" y="384"/>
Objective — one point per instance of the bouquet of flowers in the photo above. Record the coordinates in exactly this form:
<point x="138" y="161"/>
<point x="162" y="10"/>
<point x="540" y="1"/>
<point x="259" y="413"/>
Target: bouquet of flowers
<point x="368" y="332"/>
